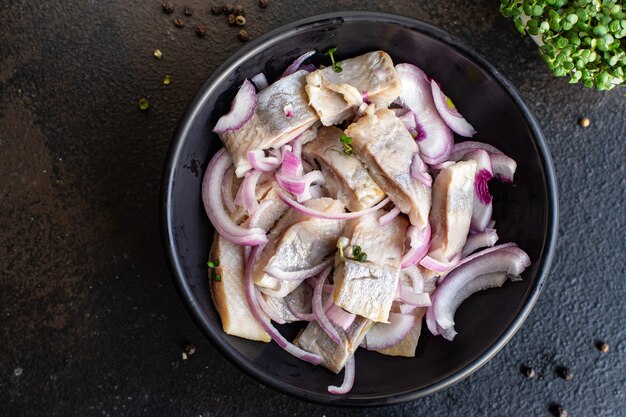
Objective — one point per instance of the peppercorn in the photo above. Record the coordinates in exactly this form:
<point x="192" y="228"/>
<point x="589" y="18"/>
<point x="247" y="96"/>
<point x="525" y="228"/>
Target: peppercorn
<point x="144" y="104"/>
<point x="168" y="7"/>
<point x="528" y="372"/>
<point x="201" y="31"/>
<point x="157" y="54"/>
<point x="187" y="10"/>
<point x="217" y="10"/>
<point x="565" y="373"/>
<point x="167" y="80"/>
<point x="243" y="36"/>
<point x="264" y="3"/>
<point x="178" y="22"/>
<point x="240" y="20"/>
<point x="190" y="348"/>
<point x="602" y="347"/>
<point x="240" y="10"/>
<point x="584" y="122"/>
<point x="558" y="410"/>
<point x="232" y="20"/>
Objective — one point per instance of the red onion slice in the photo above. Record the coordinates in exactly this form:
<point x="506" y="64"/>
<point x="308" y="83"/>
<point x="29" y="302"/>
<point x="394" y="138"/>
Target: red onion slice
<point x="419" y="241"/>
<point x="482" y="206"/>
<point x="385" y="335"/>
<point x="484" y="239"/>
<point x="417" y="279"/>
<point x="409" y="121"/>
<point x="288" y="110"/>
<point x="267" y="326"/>
<point x="297" y="275"/>
<point x="329" y="216"/>
<point x="503" y="167"/>
<point x="387" y="218"/>
<point x="437" y="266"/>
<point x="262" y="163"/>
<point x="449" y="113"/>
<point x="340" y="317"/>
<point x="511" y="260"/>
<point x="415" y="299"/>
<point x="260" y="81"/>
<point x="419" y="171"/>
<point x="241" y="110"/>
<point x="227" y="190"/>
<point x="434" y="136"/>
<point x="212" y="200"/>
<point x="246" y="196"/>
<point x="348" y="379"/>
<point x="318" y="308"/>
<point x="291" y="165"/>
<point x="295" y="65"/>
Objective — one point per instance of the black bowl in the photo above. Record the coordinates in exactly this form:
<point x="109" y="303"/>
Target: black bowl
<point x="525" y="212"/>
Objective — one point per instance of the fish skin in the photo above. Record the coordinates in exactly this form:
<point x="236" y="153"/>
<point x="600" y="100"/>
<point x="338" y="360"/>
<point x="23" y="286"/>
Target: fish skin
<point x="346" y="177"/>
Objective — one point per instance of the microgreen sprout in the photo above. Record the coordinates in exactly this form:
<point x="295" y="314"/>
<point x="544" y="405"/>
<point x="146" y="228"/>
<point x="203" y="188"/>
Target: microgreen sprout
<point x="347" y="141"/>
<point x="336" y="65"/>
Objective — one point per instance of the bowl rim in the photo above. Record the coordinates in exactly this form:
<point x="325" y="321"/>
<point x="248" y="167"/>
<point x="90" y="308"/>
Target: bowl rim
<point x="175" y="151"/>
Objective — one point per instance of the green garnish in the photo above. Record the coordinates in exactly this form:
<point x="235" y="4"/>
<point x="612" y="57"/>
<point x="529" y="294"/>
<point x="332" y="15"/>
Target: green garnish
<point x="218" y="277"/>
<point x="581" y="39"/>
<point x="356" y="251"/>
<point x="213" y="264"/>
<point x="347" y="141"/>
<point x="358" y="254"/>
<point x="144" y="104"/>
<point x="362" y="257"/>
<point x="336" y="65"/>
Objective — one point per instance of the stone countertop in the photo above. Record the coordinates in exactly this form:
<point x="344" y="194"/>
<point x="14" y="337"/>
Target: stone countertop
<point x="91" y="324"/>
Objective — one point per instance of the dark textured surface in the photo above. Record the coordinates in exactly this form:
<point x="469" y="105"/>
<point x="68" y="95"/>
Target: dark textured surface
<point x="91" y="324"/>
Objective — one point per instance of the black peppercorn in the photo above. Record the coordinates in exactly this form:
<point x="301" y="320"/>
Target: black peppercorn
<point x="565" y="373"/>
<point x="187" y="10"/>
<point x="240" y="10"/>
<point x="168" y="7"/>
<point x="201" y="31"/>
<point x="217" y="10"/>
<point x="264" y="3"/>
<point x="232" y="20"/>
<point x="602" y="347"/>
<point x="243" y="36"/>
<point x="178" y="22"/>
<point x="558" y="410"/>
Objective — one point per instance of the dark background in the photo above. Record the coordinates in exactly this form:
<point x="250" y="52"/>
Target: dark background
<point x="90" y="322"/>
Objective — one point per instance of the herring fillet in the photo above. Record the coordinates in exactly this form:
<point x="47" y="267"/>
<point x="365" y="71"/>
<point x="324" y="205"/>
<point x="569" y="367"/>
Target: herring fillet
<point x="335" y="95"/>
<point x="298" y="300"/>
<point x="229" y="295"/>
<point x="270" y="127"/>
<point x="451" y="214"/>
<point x="386" y="148"/>
<point x="298" y="242"/>
<point x="346" y="178"/>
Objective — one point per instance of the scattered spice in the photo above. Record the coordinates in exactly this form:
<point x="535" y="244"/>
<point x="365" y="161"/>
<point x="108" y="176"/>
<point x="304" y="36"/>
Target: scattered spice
<point x="243" y="36"/>
<point x="602" y="347"/>
<point x="558" y="410"/>
<point x="144" y="104"/>
<point x="232" y="20"/>
<point x="217" y="10"/>
<point x="187" y="10"/>
<point x="157" y="54"/>
<point x="168" y="7"/>
<point x="201" y="31"/>
<point x="565" y="373"/>
<point x="240" y="20"/>
<point x="167" y="80"/>
<point x="528" y="372"/>
<point x="190" y="348"/>
<point x="584" y="122"/>
<point x="178" y="22"/>
<point x="240" y="10"/>
<point x="264" y="3"/>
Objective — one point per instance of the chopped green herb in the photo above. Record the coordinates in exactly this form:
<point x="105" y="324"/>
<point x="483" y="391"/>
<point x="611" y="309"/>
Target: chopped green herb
<point x="347" y="141"/>
<point x="144" y="104"/>
<point x="362" y="257"/>
<point x="213" y="264"/>
<point x="336" y="65"/>
<point x="218" y="277"/>
<point x="356" y="251"/>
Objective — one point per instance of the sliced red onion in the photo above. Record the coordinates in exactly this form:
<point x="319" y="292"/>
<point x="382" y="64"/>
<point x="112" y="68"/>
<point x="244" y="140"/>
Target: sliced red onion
<point x="437" y="266"/>
<point x="268" y="309"/>
<point x="296" y="147"/>
<point x="288" y="110"/>
<point x="406" y="308"/>
<point x="267" y="326"/>
<point x="212" y="200"/>
<point x="434" y="136"/>
<point x="340" y="317"/>
<point x="260" y="81"/>
<point x="241" y="110"/>
<point x="491" y="224"/>
<point x="419" y="171"/>
<point x="510" y="260"/>
<point x="329" y="216"/>
<point x="318" y="308"/>
<point x="449" y="113"/>
<point x="291" y="165"/>
<point x="359" y="112"/>
<point x="295" y="65"/>
<point x="503" y="167"/>
<point x="301" y="187"/>
<point x="348" y="379"/>
<point x="246" y="196"/>
<point x="417" y="279"/>
<point x="482" y="206"/>
<point x="387" y="218"/>
<point x="473" y="256"/>
<point x="298" y="275"/>
<point x="385" y="335"/>
<point x="419" y="242"/>
<point x="415" y="299"/>
<point x="227" y="190"/>
<point x="262" y="163"/>
<point x="484" y="239"/>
